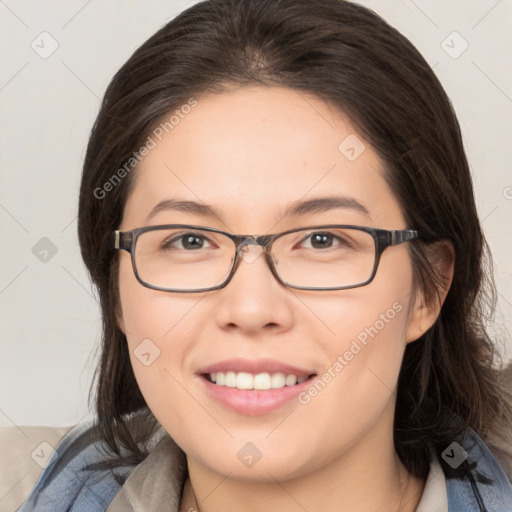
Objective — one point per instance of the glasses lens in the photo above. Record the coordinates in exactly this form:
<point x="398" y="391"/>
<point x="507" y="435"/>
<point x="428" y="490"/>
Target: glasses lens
<point x="325" y="258"/>
<point x="183" y="258"/>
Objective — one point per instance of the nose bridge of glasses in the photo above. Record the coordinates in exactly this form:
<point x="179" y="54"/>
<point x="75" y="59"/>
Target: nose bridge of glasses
<point x="244" y="242"/>
<point x="250" y="254"/>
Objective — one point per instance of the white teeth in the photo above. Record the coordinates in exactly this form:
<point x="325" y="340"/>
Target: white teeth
<point x="261" y="381"/>
<point x="244" y="380"/>
<point x="291" y="380"/>
<point x="278" y="380"/>
<point x="230" y="380"/>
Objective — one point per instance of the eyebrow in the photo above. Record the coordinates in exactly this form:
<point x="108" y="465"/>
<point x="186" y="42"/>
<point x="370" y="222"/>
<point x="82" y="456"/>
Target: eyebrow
<point x="295" y="209"/>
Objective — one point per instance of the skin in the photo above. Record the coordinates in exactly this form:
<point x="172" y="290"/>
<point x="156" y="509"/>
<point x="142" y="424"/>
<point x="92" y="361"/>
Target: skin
<point x="249" y="153"/>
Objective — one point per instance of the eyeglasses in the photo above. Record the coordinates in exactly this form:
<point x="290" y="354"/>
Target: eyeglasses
<point x="185" y="258"/>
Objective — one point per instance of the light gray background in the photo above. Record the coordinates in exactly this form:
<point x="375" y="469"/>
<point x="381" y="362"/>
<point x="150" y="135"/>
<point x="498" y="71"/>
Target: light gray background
<point x="49" y="317"/>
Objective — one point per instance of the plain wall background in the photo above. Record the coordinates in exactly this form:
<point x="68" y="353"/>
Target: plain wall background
<point x="49" y="315"/>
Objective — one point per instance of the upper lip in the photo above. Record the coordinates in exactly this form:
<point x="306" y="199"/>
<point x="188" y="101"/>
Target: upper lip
<point x="255" y="366"/>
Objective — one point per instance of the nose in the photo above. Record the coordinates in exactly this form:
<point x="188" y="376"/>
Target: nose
<point x="254" y="299"/>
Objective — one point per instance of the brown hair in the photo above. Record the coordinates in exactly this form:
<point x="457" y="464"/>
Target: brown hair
<point x="350" y="57"/>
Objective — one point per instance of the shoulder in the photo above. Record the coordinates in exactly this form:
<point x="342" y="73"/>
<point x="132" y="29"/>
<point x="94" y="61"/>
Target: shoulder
<point x="475" y="479"/>
<point x="76" y="476"/>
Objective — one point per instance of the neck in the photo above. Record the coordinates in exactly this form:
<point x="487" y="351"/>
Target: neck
<point x="367" y="477"/>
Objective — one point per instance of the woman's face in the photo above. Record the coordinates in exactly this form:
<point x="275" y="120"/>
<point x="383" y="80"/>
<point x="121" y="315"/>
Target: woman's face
<point x="250" y="154"/>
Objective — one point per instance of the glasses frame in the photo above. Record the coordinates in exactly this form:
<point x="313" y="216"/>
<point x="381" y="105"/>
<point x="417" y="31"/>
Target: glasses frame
<point x="383" y="238"/>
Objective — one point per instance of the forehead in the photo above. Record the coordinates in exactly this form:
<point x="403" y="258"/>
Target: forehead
<point x="252" y="152"/>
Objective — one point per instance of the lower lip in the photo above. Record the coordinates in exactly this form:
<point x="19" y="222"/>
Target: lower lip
<point x="253" y="402"/>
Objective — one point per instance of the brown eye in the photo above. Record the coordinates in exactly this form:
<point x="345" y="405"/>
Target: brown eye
<point x="188" y="241"/>
<point x="325" y="240"/>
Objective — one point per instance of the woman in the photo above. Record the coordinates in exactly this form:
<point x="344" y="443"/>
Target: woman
<point x="278" y="213"/>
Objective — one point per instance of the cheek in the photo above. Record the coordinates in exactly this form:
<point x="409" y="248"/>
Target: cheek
<point x="149" y="313"/>
<point x="358" y="383"/>
<point x="366" y="333"/>
<point x="159" y="349"/>
<point x="160" y="333"/>
<point x="379" y="311"/>
<point x="366" y="342"/>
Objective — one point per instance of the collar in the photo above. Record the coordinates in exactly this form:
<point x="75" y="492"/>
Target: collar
<point x="167" y="466"/>
<point x="435" y="495"/>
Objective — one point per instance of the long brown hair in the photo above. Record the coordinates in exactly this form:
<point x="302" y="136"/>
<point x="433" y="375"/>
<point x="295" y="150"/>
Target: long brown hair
<point x="351" y="58"/>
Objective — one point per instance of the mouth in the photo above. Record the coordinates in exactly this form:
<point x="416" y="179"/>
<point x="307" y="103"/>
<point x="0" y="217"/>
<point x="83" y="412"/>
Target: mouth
<point x="254" y="386"/>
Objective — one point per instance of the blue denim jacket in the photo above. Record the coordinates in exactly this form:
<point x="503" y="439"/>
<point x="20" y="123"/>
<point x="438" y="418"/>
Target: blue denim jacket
<point x="478" y="485"/>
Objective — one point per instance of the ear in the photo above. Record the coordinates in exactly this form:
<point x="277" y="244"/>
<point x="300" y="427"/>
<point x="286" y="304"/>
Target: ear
<point x="425" y="310"/>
